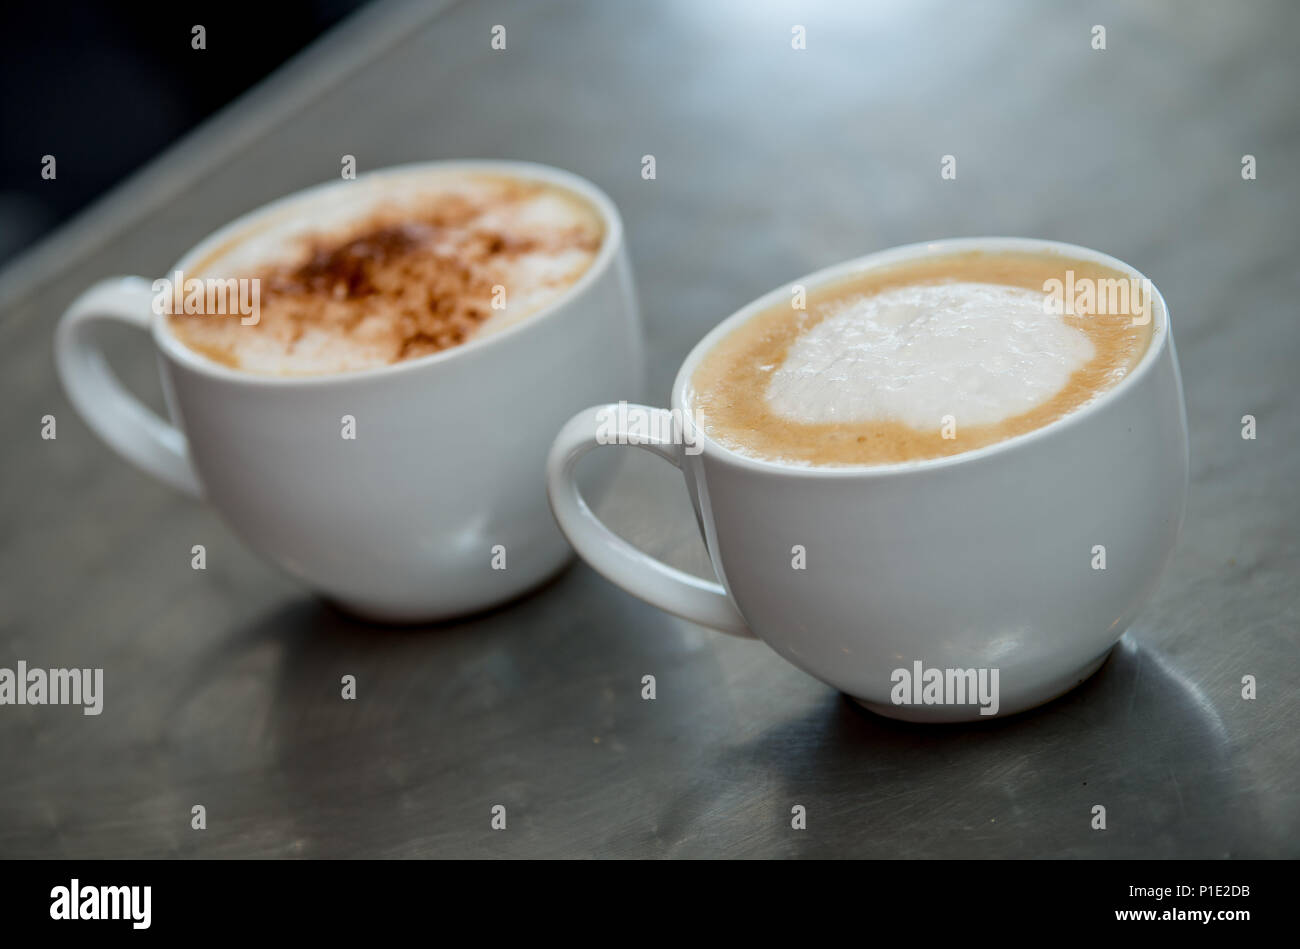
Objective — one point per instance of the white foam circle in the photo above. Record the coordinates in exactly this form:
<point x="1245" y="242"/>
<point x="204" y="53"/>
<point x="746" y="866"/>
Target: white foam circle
<point x="979" y="352"/>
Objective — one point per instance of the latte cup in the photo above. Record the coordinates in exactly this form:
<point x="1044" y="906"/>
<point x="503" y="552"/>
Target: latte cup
<point x="437" y="507"/>
<point x="1008" y="571"/>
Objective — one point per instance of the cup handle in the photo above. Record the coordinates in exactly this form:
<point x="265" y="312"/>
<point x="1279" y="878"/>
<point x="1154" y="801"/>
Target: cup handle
<point x="668" y="588"/>
<point x="128" y="426"/>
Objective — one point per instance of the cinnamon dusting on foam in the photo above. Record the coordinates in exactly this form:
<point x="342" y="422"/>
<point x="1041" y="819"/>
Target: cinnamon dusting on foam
<point x="407" y="279"/>
<point x="730" y="389"/>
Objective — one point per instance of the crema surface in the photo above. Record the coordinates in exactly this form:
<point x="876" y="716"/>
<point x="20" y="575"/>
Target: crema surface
<point x="921" y="360"/>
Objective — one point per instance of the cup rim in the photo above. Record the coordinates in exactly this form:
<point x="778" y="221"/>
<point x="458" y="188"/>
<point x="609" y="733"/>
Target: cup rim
<point x="178" y="352"/>
<point x="1160" y="341"/>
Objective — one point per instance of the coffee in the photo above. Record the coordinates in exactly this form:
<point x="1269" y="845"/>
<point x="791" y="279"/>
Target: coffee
<point x="923" y="359"/>
<point x="391" y="268"/>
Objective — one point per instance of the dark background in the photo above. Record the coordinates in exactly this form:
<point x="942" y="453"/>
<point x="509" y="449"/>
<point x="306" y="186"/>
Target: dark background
<point x="104" y="87"/>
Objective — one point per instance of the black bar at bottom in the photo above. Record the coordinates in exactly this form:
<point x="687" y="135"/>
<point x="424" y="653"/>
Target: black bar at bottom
<point x="329" y="899"/>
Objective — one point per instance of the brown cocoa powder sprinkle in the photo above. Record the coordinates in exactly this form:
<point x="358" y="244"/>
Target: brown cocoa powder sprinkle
<point x="413" y="280"/>
<point x="349" y="265"/>
<point x="442" y="295"/>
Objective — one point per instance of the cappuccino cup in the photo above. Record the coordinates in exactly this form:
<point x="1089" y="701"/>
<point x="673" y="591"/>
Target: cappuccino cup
<point x="376" y="422"/>
<point x="928" y="477"/>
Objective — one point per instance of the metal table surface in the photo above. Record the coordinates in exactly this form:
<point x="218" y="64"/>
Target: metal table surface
<point x="222" y="686"/>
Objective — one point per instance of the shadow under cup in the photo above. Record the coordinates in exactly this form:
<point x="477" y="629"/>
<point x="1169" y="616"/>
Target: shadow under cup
<point x="875" y="579"/>
<point x="436" y="507"/>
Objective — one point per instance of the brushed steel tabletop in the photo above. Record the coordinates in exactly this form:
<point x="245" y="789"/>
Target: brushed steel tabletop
<point x="222" y="686"/>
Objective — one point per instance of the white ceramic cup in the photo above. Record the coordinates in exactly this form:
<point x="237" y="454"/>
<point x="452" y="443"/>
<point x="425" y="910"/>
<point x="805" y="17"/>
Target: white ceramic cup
<point x="445" y="474"/>
<point x="980" y="560"/>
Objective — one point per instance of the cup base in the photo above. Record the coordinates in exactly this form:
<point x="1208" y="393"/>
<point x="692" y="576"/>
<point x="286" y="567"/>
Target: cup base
<point x="447" y="611"/>
<point x="1020" y="702"/>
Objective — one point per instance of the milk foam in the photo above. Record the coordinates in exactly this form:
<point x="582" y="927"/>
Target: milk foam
<point x="556" y="232"/>
<point x="979" y="352"/>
